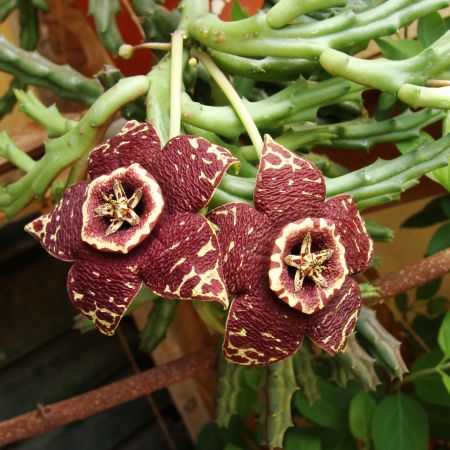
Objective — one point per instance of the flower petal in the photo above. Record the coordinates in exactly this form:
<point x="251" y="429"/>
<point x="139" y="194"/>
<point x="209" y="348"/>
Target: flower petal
<point x="262" y="330"/>
<point x="182" y="260"/>
<point x="102" y="290"/>
<point x="288" y="188"/>
<point x="330" y="327"/>
<point x="188" y="170"/>
<point x="350" y="225"/>
<point x="245" y="244"/>
<point x="136" y="143"/>
<point x="60" y="231"/>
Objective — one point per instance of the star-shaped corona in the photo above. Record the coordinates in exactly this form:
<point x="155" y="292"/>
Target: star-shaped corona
<point x="309" y="264"/>
<point x="119" y="209"/>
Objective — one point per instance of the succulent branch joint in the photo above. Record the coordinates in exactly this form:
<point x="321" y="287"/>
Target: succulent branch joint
<point x="118" y="208"/>
<point x="308" y="264"/>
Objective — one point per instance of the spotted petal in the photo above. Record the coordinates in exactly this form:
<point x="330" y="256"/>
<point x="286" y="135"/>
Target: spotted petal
<point x="330" y="327"/>
<point x="288" y="188"/>
<point x="103" y="289"/>
<point x="188" y="170"/>
<point x="262" y="330"/>
<point x="244" y="236"/>
<point x="353" y="234"/>
<point x="136" y="143"/>
<point x="60" y="231"/>
<point x="182" y="260"/>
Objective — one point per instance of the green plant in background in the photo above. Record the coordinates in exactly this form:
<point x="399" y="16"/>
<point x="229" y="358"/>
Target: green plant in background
<point x="294" y="64"/>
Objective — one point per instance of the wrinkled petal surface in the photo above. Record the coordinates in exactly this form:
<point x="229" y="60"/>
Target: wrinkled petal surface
<point x="136" y="143"/>
<point x="60" y="231"/>
<point x="245" y="243"/>
<point x="288" y="188"/>
<point x="188" y="170"/>
<point x="262" y="330"/>
<point x="330" y="327"/>
<point x="103" y="289"/>
<point x="182" y="260"/>
<point x="350" y="225"/>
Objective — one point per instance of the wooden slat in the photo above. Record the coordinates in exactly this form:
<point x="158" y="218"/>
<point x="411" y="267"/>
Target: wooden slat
<point x="194" y="398"/>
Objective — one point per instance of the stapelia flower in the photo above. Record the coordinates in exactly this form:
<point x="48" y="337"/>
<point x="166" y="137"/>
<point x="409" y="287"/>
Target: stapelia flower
<point x="289" y="262"/>
<point x="137" y="221"/>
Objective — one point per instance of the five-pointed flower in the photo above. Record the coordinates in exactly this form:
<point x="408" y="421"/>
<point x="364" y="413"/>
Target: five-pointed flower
<point x="137" y="221"/>
<point x="289" y="262"/>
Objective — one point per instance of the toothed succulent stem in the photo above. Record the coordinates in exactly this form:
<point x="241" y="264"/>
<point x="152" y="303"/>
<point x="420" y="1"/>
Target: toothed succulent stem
<point x="65" y="150"/>
<point x="304" y="373"/>
<point x="229" y="387"/>
<point x="426" y="97"/>
<point x="286" y="10"/>
<point x="32" y="68"/>
<point x="386" y="347"/>
<point x="158" y="322"/>
<point x="359" y="363"/>
<point x="279" y="385"/>
<point x="14" y="154"/>
<point x="255" y="38"/>
<point x="49" y="117"/>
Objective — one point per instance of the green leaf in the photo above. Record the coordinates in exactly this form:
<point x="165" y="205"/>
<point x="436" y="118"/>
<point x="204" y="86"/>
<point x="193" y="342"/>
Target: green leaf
<point x="433" y="212"/>
<point x="429" y="289"/>
<point x="437" y="306"/>
<point x="444" y="335"/>
<point x="440" y="240"/>
<point x="446" y="381"/>
<point x="238" y="12"/>
<point x="431" y="28"/>
<point x="401" y="301"/>
<point x="230" y="446"/>
<point x="337" y="440"/>
<point x="210" y="438"/>
<point x="360" y="416"/>
<point x="298" y="439"/>
<point x="430" y="388"/>
<point x="400" y="423"/>
<point x="439" y="420"/>
<point x="330" y="410"/>
<point x="399" y="49"/>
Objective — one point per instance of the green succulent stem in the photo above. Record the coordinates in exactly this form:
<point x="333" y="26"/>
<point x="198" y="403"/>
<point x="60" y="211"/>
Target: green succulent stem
<point x="233" y="97"/>
<point x="299" y="96"/>
<point x="68" y="148"/>
<point x="14" y="154"/>
<point x="427" y="97"/>
<point x="390" y="76"/>
<point x="49" y="117"/>
<point x="254" y="37"/>
<point x="285" y="11"/>
<point x="158" y="322"/>
<point x="265" y="69"/>
<point x="32" y="68"/>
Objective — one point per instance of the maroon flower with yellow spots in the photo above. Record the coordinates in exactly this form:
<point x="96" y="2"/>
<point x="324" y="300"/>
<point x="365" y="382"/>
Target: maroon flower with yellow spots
<point x="137" y="221"/>
<point x="289" y="262"/>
